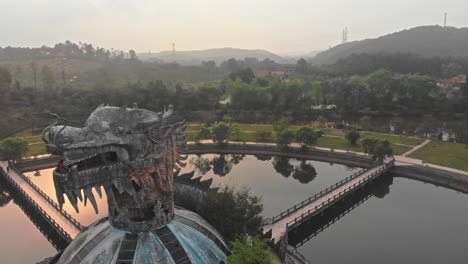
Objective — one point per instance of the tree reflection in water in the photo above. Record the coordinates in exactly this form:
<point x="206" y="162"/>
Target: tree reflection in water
<point x="202" y="165"/>
<point x="221" y="164"/>
<point x="263" y="157"/>
<point x="304" y="172"/>
<point x="282" y="166"/>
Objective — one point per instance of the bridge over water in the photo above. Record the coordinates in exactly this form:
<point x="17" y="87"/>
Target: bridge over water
<point x="59" y="219"/>
<point x="279" y="226"/>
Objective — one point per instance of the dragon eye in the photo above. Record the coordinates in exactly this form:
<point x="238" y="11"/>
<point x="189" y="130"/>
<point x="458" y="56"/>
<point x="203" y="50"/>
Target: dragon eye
<point x="118" y="130"/>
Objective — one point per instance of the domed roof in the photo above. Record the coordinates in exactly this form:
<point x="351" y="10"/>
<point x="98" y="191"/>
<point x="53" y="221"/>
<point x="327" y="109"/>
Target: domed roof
<point x="186" y="239"/>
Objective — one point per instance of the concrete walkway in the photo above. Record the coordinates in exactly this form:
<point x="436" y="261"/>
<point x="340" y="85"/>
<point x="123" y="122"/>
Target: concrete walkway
<point x="427" y="141"/>
<point x="279" y="227"/>
<point x="404" y="160"/>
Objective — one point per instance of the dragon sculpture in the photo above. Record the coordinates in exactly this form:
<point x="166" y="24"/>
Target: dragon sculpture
<point x="132" y="153"/>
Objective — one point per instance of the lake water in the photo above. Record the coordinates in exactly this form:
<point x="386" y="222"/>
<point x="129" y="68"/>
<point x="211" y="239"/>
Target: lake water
<point x="399" y="220"/>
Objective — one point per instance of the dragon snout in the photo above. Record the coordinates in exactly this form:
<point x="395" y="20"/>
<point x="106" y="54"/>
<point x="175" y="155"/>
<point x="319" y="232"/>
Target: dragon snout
<point x="60" y="137"/>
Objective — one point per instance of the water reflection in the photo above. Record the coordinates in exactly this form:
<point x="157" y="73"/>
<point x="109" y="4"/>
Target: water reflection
<point x="378" y="188"/>
<point x="5" y="197"/>
<point x="283" y="166"/>
<point x="221" y="165"/>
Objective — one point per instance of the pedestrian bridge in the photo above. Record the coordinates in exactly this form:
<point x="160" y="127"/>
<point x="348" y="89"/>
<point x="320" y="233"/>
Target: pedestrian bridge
<point x="57" y="218"/>
<point x="280" y="225"/>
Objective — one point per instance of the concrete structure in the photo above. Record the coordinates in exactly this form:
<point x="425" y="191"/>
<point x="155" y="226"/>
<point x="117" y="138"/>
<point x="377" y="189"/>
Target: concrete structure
<point x="285" y="222"/>
<point x="132" y="153"/>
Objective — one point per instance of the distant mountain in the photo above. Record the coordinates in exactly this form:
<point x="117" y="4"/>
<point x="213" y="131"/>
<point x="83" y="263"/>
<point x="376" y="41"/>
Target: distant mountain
<point x="425" y="41"/>
<point x="195" y="57"/>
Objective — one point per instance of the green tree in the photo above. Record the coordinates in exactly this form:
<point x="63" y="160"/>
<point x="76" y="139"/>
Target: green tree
<point x="302" y="66"/>
<point x="48" y="79"/>
<point x="382" y="150"/>
<point x="263" y="135"/>
<point x="280" y="124"/>
<point x="358" y="89"/>
<point x="245" y="75"/>
<point x="306" y="136"/>
<point x="317" y="92"/>
<point x="232" y="211"/>
<point x="5" y="79"/>
<point x="284" y="138"/>
<point x="204" y="133"/>
<point x="5" y="82"/>
<point x="34" y="69"/>
<point x="13" y="148"/>
<point x="249" y="250"/>
<point x="365" y="122"/>
<point x="236" y="132"/>
<point x="353" y="136"/>
<point x="132" y="55"/>
<point x="368" y="144"/>
<point x="221" y="132"/>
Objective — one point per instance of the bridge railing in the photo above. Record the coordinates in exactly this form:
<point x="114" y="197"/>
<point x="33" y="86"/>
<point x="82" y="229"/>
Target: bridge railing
<point x="48" y="199"/>
<point x="313" y="198"/>
<point x="46" y="216"/>
<point x="325" y="204"/>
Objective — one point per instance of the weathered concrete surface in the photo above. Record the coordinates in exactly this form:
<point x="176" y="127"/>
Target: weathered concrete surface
<point x="447" y="179"/>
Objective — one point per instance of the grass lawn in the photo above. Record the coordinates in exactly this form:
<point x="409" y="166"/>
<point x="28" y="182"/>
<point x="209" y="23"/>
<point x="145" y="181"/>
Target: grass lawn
<point x="444" y="154"/>
<point x="33" y="139"/>
<point x="338" y="143"/>
<point x="248" y="135"/>
<point x="394" y="139"/>
<point x="36" y="149"/>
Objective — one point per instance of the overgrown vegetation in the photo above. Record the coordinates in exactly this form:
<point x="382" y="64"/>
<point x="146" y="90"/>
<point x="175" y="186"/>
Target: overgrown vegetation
<point x="249" y="250"/>
<point x="232" y="211"/>
<point x="13" y="148"/>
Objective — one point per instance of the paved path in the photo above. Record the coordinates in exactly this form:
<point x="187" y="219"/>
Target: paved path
<point x="279" y="227"/>
<point x="404" y="160"/>
<point x="61" y="220"/>
<point x="427" y="141"/>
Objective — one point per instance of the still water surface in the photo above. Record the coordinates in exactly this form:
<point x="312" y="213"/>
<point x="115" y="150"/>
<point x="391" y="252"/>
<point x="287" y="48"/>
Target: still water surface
<point x="411" y="222"/>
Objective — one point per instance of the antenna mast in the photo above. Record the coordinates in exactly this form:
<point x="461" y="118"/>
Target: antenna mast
<point x="445" y="20"/>
<point x="173" y="52"/>
<point x="345" y="36"/>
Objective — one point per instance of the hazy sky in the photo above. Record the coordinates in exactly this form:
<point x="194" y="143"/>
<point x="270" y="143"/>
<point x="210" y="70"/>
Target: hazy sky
<point x="276" y="25"/>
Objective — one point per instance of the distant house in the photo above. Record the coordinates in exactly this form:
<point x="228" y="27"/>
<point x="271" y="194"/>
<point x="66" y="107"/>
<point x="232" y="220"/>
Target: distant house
<point x="60" y="55"/>
<point x="457" y="80"/>
<point x="262" y="74"/>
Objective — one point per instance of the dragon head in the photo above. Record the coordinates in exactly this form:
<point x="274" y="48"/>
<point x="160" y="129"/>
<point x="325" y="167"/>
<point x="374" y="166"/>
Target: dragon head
<point x="131" y="152"/>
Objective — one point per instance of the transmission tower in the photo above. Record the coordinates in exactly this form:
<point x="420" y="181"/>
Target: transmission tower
<point x="173" y="52"/>
<point x="345" y="36"/>
<point x="445" y="20"/>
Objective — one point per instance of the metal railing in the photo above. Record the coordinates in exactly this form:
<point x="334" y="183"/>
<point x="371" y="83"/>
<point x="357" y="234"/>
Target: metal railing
<point x="48" y="199"/>
<point x="313" y="198"/>
<point x="293" y="251"/>
<point x="46" y="216"/>
<point x="325" y="204"/>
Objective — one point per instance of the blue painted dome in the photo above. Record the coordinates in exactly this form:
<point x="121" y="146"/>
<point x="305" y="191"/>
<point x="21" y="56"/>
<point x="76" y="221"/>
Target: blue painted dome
<point x="186" y="239"/>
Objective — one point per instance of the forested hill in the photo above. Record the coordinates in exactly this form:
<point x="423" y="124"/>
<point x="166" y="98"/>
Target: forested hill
<point x="195" y="57"/>
<point x="426" y="41"/>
